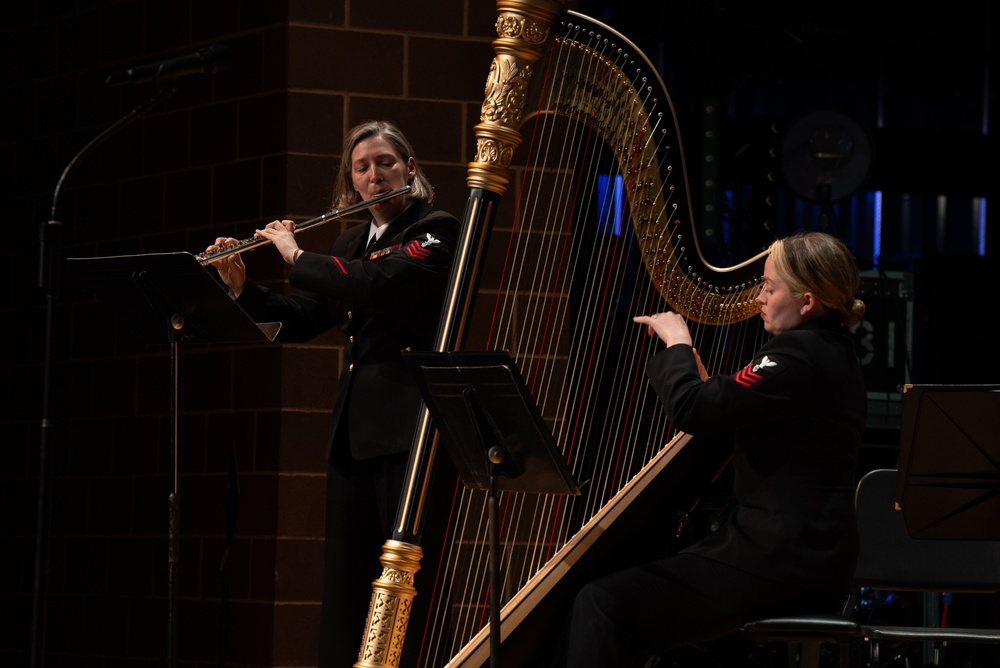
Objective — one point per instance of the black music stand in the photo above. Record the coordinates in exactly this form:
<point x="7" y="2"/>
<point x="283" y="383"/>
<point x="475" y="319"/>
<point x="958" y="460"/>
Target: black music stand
<point x="948" y="485"/>
<point x="492" y="429"/>
<point x="166" y="298"/>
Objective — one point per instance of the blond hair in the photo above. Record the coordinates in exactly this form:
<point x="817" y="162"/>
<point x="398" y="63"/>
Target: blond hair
<point x="820" y="263"/>
<point x="344" y="193"/>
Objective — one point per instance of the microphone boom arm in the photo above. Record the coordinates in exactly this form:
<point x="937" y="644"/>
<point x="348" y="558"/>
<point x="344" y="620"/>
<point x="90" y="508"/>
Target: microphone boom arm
<point x="208" y="59"/>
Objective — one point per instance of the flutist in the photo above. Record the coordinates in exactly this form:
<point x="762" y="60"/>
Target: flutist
<point x="382" y="284"/>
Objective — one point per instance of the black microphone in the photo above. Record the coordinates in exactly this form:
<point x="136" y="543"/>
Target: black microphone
<point x="208" y="59"/>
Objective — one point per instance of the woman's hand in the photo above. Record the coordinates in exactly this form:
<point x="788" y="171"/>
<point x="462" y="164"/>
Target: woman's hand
<point x="670" y="327"/>
<point x="282" y="234"/>
<point x="231" y="269"/>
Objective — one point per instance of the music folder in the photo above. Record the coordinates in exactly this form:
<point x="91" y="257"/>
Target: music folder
<point x="165" y="296"/>
<point x="478" y="400"/>
<point x="948" y="485"/>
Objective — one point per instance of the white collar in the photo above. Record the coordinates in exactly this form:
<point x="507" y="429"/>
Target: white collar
<point x="375" y="229"/>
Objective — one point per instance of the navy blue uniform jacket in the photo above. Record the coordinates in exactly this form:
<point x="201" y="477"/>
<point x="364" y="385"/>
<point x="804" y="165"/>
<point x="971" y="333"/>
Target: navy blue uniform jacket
<point x="386" y="301"/>
<point x="798" y="414"/>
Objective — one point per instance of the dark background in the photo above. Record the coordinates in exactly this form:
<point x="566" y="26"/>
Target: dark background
<point x="922" y="88"/>
<point x="259" y="140"/>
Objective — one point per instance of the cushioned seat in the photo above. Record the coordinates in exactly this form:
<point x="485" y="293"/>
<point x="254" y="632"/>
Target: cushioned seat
<point x="809" y="631"/>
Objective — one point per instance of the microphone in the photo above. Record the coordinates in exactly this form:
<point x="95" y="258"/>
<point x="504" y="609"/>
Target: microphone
<point x="208" y="59"/>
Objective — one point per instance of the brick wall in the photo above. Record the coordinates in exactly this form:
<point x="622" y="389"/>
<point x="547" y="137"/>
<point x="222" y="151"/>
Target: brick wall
<point x="227" y="152"/>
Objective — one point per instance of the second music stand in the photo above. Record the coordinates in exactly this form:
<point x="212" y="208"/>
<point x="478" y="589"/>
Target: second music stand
<point x="492" y="429"/>
<point x="949" y="462"/>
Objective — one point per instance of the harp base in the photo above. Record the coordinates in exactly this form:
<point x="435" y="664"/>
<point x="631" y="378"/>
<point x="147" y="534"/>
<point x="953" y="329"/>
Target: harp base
<point x="389" y="611"/>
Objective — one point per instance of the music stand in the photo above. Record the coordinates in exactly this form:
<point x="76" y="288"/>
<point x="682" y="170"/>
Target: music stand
<point x="948" y="485"/>
<point x="492" y="429"/>
<point x="166" y="298"/>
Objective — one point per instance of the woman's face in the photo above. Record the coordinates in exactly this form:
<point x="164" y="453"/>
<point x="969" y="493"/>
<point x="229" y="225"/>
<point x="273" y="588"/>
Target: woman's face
<point x="778" y="308"/>
<point x="376" y="168"/>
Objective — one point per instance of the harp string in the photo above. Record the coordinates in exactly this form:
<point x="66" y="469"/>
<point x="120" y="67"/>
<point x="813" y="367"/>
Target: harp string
<point x="562" y="306"/>
<point x="579" y="433"/>
<point x="535" y="329"/>
<point x="536" y="339"/>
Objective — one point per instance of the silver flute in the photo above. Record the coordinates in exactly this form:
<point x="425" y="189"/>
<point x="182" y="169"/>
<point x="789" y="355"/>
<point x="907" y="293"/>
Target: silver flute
<point x="254" y="242"/>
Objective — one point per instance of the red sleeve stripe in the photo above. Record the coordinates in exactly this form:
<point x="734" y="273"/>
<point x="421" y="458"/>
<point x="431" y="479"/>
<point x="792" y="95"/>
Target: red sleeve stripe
<point x="340" y="264"/>
<point x="416" y="251"/>
<point x="747" y="378"/>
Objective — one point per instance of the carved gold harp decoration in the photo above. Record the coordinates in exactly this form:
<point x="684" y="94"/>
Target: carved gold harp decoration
<point x="597" y="227"/>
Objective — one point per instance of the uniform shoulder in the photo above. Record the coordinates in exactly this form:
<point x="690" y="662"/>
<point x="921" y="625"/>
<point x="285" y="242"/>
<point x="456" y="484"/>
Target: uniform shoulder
<point x="440" y="217"/>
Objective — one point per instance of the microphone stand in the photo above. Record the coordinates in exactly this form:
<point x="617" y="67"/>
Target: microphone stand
<point x="49" y="259"/>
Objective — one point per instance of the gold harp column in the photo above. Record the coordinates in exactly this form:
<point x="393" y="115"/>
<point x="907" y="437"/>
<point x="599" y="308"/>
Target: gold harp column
<point x="522" y="34"/>
<point x="523" y="29"/>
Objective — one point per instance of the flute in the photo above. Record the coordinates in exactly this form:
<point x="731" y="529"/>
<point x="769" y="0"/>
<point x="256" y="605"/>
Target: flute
<point x="254" y="242"/>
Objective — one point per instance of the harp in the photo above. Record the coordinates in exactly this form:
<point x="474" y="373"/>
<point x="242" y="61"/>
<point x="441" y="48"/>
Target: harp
<point x="599" y="227"/>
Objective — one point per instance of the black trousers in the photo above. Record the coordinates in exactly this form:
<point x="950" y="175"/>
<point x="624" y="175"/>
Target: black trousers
<point x="361" y="501"/>
<point x="623" y="619"/>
